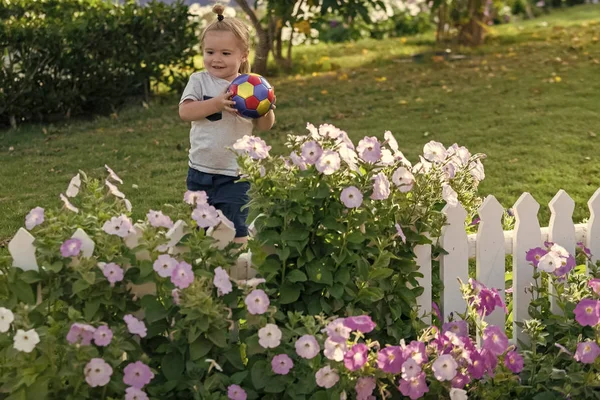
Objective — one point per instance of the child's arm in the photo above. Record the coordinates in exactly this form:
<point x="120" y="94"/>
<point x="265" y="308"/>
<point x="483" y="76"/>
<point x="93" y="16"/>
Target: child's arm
<point x="265" y="122"/>
<point x="194" y="110"/>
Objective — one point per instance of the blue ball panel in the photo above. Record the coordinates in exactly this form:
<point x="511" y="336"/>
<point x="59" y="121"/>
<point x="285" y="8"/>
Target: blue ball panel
<point x="265" y="82"/>
<point x="240" y="104"/>
<point x="240" y="79"/>
<point x="250" y="113"/>
<point x="261" y="92"/>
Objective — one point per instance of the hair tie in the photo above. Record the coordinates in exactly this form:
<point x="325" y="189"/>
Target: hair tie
<point x="220" y="17"/>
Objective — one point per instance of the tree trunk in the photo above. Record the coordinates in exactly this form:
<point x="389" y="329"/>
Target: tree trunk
<point x="265" y="40"/>
<point x="473" y="32"/>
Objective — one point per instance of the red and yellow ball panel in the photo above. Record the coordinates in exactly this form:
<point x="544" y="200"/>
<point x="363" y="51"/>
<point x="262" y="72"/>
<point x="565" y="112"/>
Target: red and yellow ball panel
<point x="253" y="95"/>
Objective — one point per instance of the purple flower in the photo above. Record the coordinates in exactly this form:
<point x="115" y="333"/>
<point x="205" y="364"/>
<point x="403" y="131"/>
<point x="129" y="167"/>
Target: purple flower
<point x="566" y="266"/>
<point x="416" y="351"/>
<point x="176" y="296"/>
<point x="307" y="347"/>
<point x="587" y="312"/>
<point x="120" y="226"/>
<point x="132" y="393"/>
<point x="205" y="216"/>
<point x="269" y="336"/>
<point x="334" y="350"/>
<point x="460" y="381"/>
<point x="436" y="310"/>
<point x="400" y="233"/>
<point x="434" y="152"/>
<point x="449" y="195"/>
<point x="164" y="265"/>
<point x="391" y="141"/>
<point x="234" y="392"/>
<point x="337" y="331"/>
<point x="415" y="387"/>
<point x="327" y="377"/>
<point x="381" y="187"/>
<point x="364" y="388"/>
<point x="403" y="179"/>
<point x="329" y="162"/>
<point x="477" y="367"/>
<point x="490" y="360"/>
<point x="410" y="369"/>
<point x="298" y="161"/>
<point x="34" y="218"/>
<point x="135" y="326"/>
<point x="361" y="323"/>
<point x="103" y="336"/>
<point x="311" y="151"/>
<point x="444" y="368"/>
<point x="495" y="340"/>
<point x="222" y="282"/>
<point x="254" y="146"/>
<point x="195" y="198"/>
<point x="587" y="352"/>
<point x="534" y="255"/>
<point x="459" y="328"/>
<point x="113" y="273"/>
<point x="70" y="247"/>
<point x="97" y="372"/>
<point x="390" y="359"/>
<point x="82" y="333"/>
<point x="182" y="275"/>
<point x="158" y="220"/>
<point x="595" y="285"/>
<point x="585" y="250"/>
<point x="356" y="357"/>
<point x="282" y="364"/>
<point x="514" y="361"/>
<point x="137" y="374"/>
<point x="369" y="149"/>
<point x="351" y="197"/>
<point x="257" y="302"/>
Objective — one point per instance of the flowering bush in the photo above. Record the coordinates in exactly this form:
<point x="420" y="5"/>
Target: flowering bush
<point x="340" y="222"/>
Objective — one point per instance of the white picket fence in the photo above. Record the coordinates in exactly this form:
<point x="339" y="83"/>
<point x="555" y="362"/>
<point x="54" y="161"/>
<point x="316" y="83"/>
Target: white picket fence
<point x="490" y="245"/>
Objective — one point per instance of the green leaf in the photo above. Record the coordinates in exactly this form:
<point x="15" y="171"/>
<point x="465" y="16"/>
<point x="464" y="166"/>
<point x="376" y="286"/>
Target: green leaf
<point x="200" y="348"/>
<point x="289" y="293"/>
<point x="234" y="356"/>
<point x="369" y="295"/>
<point x="283" y="254"/>
<point x="89" y="277"/>
<point x="306" y="218"/>
<point x="319" y="273"/>
<point x="172" y="366"/>
<point x="320" y="395"/>
<point x="146" y="268"/>
<point x="79" y="286"/>
<point x="380" y="273"/>
<point x="253" y="347"/>
<point x="342" y="275"/>
<point x="273" y="222"/>
<point x="322" y="191"/>
<point x="90" y="308"/>
<point x="330" y="222"/>
<point x="23" y="292"/>
<point x="30" y="277"/>
<point x="337" y="291"/>
<point x="259" y="374"/>
<point x="383" y="260"/>
<point x="238" y="377"/>
<point x="296" y="275"/>
<point x="55" y="267"/>
<point x="355" y="237"/>
<point x="276" y="385"/>
<point x="154" y="310"/>
<point x="295" y="233"/>
<point x="38" y="390"/>
<point x="218" y="338"/>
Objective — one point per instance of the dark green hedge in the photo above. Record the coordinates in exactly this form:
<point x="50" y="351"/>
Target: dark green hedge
<point x="68" y="57"/>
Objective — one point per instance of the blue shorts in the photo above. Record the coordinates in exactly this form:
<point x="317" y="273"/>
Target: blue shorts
<point x="225" y="194"/>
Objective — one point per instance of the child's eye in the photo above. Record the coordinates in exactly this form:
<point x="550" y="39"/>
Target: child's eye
<point x="226" y="53"/>
<point x="209" y="52"/>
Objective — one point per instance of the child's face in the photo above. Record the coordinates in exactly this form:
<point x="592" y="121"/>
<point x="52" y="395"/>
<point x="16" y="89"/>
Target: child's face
<point x="223" y="54"/>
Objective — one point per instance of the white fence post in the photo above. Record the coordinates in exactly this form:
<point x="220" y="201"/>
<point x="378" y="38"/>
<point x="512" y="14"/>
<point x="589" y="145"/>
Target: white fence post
<point x="592" y="237"/>
<point x="561" y="230"/>
<point x="490" y="257"/>
<point x="455" y="264"/>
<point x="527" y="235"/>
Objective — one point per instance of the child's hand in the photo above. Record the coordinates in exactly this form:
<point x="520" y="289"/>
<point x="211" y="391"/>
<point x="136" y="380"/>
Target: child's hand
<point x="225" y="103"/>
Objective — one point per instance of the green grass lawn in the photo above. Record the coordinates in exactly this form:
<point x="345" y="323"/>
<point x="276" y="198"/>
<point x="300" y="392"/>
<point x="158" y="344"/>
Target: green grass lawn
<point x="529" y="99"/>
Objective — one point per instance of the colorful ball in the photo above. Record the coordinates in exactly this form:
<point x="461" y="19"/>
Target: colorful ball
<point x="252" y="94"/>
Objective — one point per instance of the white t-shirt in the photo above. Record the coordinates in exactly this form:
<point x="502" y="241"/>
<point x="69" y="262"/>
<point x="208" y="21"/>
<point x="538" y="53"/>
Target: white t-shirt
<point x="212" y="138"/>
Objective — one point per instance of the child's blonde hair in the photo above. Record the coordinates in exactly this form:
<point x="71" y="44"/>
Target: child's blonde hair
<point x="233" y="25"/>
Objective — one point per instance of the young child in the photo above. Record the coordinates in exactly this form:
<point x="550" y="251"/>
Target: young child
<point x="216" y="125"/>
